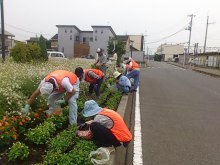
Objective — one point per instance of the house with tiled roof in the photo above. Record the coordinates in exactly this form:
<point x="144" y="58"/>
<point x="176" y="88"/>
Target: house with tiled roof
<point x="9" y="41"/>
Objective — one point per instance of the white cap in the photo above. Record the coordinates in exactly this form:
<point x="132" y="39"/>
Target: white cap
<point x="98" y="50"/>
<point x="127" y="59"/>
<point x="46" y="89"/>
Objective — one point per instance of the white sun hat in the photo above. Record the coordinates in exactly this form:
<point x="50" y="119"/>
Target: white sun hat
<point x="46" y="89"/>
<point x="91" y="108"/>
<point x="116" y="74"/>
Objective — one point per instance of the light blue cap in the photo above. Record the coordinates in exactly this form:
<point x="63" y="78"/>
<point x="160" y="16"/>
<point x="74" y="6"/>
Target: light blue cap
<point x="91" y="108"/>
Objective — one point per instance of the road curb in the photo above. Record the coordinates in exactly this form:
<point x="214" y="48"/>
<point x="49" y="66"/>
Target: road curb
<point x="197" y="70"/>
<point x="211" y="74"/>
<point x="125" y="112"/>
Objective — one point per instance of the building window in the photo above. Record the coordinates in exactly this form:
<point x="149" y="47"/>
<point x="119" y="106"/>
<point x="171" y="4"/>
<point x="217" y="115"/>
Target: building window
<point x="101" y="31"/>
<point x="71" y="38"/>
<point x="77" y="38"/>
<point x="91" y="39"/>
<point x="95" y="31"/>
<point x="71" y="31"/>
<point x="84" y="39"/>
<point x="65" y="31"/>
<point x="95" y="38"/>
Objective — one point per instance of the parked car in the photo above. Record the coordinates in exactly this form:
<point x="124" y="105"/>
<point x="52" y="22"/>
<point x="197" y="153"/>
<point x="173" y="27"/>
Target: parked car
<point x="176" y="59"/>
<point x="88" y="56"/>
<point x="56" y="55"/>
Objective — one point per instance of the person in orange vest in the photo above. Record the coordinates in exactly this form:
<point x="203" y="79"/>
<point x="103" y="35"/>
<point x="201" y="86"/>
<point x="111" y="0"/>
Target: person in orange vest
<point x="93" y="76"/>
<point x="108" y="127"/>
<point x="59" y="87"/>
<point x="133" y="71"/>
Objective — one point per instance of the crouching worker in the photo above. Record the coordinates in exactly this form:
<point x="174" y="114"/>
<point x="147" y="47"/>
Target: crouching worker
<point x="108" y="127"/>
<point x="123" y="84"/>
<point x="53" y="87"/>
<point x="93" y="76"/>
<point x="133" y="71"/>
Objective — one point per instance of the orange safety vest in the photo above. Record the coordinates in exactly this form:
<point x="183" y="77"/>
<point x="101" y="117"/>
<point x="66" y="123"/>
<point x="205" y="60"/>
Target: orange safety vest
<point x="59" y="75"/>
<point x="119" y="129"/>
<point x="134" y="65"/>
<point x="90" y="79"/>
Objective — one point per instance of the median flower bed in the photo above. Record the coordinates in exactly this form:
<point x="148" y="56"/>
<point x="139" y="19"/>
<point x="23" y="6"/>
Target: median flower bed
<point x="43" y="140"/>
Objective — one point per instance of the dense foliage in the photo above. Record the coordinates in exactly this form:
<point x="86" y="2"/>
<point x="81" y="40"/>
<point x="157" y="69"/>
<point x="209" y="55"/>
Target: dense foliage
<point x="43" y="47"/>
<point x="119" y="49"/>
<point x="22" y="52"/>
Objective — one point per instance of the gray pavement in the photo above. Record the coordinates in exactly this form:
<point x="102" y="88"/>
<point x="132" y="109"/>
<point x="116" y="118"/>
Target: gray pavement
<point x="180" y="112"/>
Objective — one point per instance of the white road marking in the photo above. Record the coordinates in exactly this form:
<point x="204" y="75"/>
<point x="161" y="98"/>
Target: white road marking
<point x="137" y="157"/>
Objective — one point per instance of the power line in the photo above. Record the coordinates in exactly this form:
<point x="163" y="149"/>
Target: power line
<point x="21" y="29"/>
<point x="165" y="29"/>
<point x="167" y="36"/>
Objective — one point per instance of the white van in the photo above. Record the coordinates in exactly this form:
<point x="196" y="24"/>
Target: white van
<point x="55" y="55"/>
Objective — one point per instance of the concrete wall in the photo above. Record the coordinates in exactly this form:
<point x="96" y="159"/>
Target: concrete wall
<point x="170" y="50"/>
<point x="101" y="36"/>
<point x="67" y="36"/>
<point x="136" y="55"/>
<point x="87" y="35"/>
<point x="137" y="44"/>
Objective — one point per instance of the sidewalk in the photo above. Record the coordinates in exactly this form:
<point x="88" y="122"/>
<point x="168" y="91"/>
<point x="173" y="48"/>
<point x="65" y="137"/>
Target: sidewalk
<point x="210" y="71"/>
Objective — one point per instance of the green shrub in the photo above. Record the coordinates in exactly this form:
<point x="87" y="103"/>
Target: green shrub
<point x="113" y="101"/>
<point x="27" y="52"/>
<point x="19" y="151"/>
<point x="19" y="53"/>
<point x="59" y="121"/>
<point x="62" y="142"/>
<point x="34" y="52"/>
<point x="41" y="133"/>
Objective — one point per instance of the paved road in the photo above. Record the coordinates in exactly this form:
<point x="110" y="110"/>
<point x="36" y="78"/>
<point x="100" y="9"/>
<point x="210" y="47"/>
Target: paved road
<point x="180" y="116"/>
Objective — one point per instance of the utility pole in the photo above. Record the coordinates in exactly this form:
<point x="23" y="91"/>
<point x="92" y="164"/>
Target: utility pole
<point x="207" y="24"/>
<point x="131" y="46"/>
<point x="148" y="55"/>
<point x="190" y="31"/>
<point x="3" y="31"/>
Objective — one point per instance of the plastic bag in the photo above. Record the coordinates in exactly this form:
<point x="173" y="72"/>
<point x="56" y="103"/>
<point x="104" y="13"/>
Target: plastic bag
<point x="101" y="155"/>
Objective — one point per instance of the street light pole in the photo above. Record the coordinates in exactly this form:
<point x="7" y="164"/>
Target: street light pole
<point x="131" y="46"/>
<point x="3" y="31"/>
<point x="184" y="57"/>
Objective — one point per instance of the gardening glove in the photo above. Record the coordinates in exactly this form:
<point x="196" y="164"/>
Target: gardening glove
<point x="61" y="101"/>
<point x="26" y="108"/>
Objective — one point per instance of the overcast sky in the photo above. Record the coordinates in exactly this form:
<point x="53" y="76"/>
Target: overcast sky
<point x="157" y="19"/>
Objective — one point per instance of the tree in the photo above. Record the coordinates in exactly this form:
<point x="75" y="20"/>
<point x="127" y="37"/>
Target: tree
<point x="48" y="44"/>
<point x="19" y="53"/>
<point x="42" y="43"/>
<point x="119" y="48"/>
<point x="22" y="52"/>
<point x="157" y="57"/>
